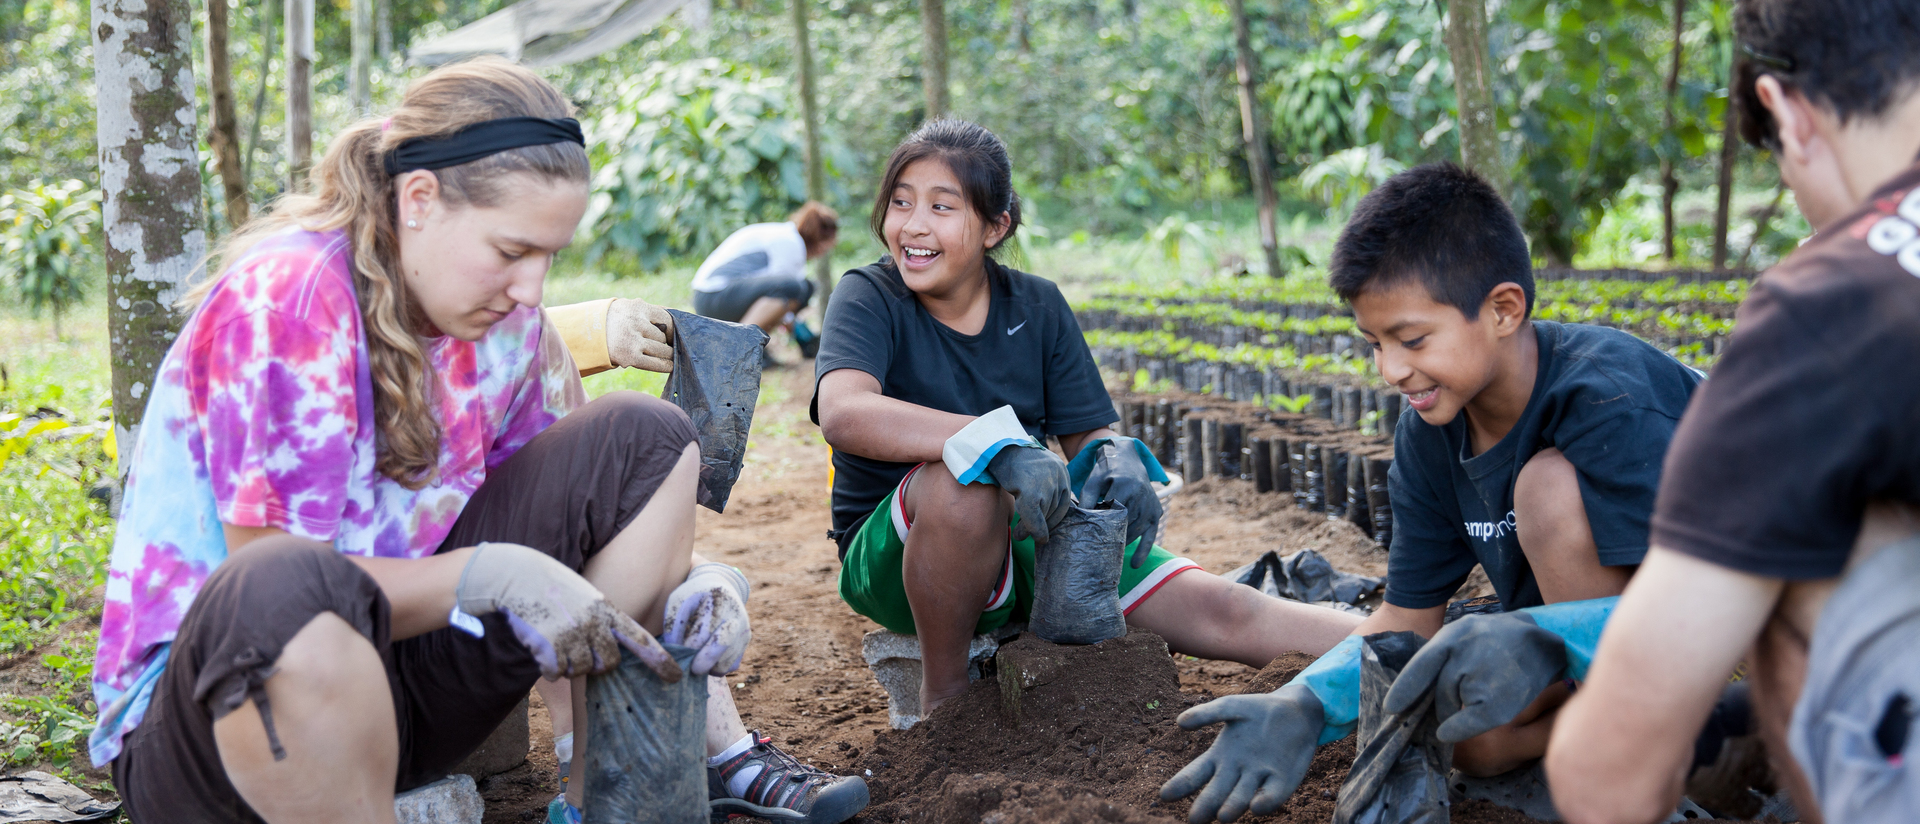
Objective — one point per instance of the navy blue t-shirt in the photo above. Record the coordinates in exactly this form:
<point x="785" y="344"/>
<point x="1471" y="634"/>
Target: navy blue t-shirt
<point x="1606" y="399"/>
<point x="1030" y="355"/>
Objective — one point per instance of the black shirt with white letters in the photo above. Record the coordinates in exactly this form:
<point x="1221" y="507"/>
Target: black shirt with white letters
<point x="1606" y="399"/>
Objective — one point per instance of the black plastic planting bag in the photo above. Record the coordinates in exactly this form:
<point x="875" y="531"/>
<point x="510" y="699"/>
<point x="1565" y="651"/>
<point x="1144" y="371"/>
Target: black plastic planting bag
<point x="716" y="380"/>
<point x="646" y="756"/>
<point x="1076" y="578"/>
<point x="1400" y="775"/>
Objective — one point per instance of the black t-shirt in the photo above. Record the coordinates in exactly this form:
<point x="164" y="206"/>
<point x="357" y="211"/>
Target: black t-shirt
<point x="1030" y="355"/>
<point x="1606" y="399"/>
<point x="1814" y="409"/>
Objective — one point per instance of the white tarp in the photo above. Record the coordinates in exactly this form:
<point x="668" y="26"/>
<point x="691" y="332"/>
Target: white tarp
<point x="555" y="32"/>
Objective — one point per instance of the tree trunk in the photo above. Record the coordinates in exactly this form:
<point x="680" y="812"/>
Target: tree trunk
<point x="1253" y="134"/>
<point x="224" y="137"/>
<point x="151" y="217"/>
<point x="1723" y="210"/>
<point x="810" y="117"/>
<point x="268" y="11"/>
<point x="1669" y="180"/>
<point x="360" y="71"/>
<point x="299" y="25"/>
<point x="933" y="56"/>
<point x="383" y="30"/>
<point x="1466" y="36"/>
<point x="1022" y="38"/>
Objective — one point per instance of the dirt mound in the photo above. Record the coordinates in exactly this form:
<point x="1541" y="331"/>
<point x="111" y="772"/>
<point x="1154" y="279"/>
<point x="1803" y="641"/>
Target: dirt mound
<point x="1094" y="739"/>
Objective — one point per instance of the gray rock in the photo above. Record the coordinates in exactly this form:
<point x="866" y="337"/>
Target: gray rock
<point x="895" y="662"/>
<point x="451" y="800"/>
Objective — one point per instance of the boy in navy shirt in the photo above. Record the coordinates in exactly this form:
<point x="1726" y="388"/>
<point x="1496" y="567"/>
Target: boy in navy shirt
<point x="1532" y="449"/>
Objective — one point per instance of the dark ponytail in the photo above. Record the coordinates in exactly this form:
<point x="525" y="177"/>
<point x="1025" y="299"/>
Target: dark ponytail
<point x="974" y="155"/>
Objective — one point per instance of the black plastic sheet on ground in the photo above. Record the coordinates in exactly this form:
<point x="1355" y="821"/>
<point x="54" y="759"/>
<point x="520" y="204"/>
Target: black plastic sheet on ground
<point x="1304" y="576"/>
<point x="716" y="381"/>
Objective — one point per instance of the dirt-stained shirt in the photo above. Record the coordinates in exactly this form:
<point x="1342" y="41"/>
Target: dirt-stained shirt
<point x="1814" y="408"/>
<point x="261" y="415"/>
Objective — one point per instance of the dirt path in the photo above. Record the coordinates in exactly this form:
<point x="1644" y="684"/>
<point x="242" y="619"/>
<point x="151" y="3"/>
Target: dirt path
<point x="803" y="681"/>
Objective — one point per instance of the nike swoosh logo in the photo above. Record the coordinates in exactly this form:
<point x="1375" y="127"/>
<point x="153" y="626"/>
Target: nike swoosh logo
<point x="1017" y="328"/>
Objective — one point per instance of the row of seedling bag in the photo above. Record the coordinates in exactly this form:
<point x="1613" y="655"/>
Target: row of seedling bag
<point x="1328" y="472"/>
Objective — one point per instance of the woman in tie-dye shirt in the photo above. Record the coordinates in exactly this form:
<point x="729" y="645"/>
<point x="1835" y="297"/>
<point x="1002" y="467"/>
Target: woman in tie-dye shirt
<point x="358" y="441"/>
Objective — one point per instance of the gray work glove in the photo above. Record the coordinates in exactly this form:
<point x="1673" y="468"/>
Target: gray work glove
<point x="640" y="335"/>
<point x="1259" y="758"/>
<point x="1483" y="669"/>
<point x="1037" y="479"/>
<point x="566" y="623"/>
<point x="708" y="612"/>
<point x="1118" y="475"/>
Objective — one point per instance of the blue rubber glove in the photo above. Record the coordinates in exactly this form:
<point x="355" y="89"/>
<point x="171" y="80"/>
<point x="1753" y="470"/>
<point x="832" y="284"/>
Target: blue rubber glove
<point x="1117" y="473"/>
<point x="1334" y="678"/>
<point x="1257" y="760"/>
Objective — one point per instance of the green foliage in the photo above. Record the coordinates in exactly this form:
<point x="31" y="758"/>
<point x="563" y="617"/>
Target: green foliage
<point x="46" y="91"/>
<point x="44" y="232"/>
<point x="1297" y="404"/>
<point x="688" y="152"/>
<point x="54" y="539"/>
<point x="1346" y="176"/>
<point x="52" y="727"/>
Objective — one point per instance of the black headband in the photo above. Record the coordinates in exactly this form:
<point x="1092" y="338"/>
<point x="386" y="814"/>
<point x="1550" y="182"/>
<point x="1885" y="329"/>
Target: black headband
<point x="488" y="137"/>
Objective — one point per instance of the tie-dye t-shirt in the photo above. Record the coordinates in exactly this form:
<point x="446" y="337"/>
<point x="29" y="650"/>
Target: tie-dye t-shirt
<point x="262" y="416"/>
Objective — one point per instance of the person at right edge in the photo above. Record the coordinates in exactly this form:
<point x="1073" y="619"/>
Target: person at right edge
<point x="1785" y="533"/>
<point x="1530" y="448"/>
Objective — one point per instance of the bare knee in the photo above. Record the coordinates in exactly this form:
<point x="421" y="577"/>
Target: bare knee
<point x="934" y="496"/>
<point x="1547" y="493"/>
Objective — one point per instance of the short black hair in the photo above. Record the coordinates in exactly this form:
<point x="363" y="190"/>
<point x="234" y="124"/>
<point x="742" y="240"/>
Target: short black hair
<point x="1441" y="225"/>
<point x="1857" y="57"/>
<point x="975" y="155"/>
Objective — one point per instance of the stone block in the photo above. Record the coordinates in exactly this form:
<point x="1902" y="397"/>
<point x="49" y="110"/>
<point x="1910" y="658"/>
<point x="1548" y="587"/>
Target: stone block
<point x="895" y="662"/>
<point x="451" y="800"/>
<point x="505" y="749"/>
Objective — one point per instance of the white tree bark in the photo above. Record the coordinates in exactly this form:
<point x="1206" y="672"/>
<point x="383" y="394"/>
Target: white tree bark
<point x="150" y="172"/>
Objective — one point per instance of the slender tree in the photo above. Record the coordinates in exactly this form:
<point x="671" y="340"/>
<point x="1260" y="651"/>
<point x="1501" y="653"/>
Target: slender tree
<point x="360" y="71"/>
<point x="810" y="118"/>
<point x="150" y="174"/>
<point x="1669" y="179"/>
<point x="1253" y="135"/>
<point x="269" y="10"/>
<point x="933" y="56"/>
<point x="299" y="26"/>
<point x="224" y="136"/>
<point x="1466" y="35"/>
<point x="1723" y="210"/>
<point x="383" y="30"/>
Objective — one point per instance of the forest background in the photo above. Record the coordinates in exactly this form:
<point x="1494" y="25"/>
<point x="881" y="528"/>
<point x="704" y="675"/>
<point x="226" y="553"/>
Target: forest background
<point x="1122" y="118"/>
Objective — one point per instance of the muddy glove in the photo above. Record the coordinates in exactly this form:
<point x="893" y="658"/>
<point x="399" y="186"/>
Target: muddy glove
<point x="566" y="623"/>
<point x="1484" y="669"/>
<point x="640" y="335"/>
<point x="1117" y="470"/>
<point x="1259" y="758"/>
<point x="1037" y="478"/>
<point x="709" y="613"/>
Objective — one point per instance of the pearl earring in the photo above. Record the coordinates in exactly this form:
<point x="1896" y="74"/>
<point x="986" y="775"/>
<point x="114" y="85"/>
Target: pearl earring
<point x="413" y="224"/>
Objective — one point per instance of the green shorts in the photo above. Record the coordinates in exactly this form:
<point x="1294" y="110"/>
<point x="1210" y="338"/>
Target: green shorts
<point x="872" y="583"/>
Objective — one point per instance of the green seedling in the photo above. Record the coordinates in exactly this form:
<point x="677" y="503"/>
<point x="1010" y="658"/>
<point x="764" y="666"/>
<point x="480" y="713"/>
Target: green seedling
<point x="1370" y="423"/>
<point x="1296" y="404"/>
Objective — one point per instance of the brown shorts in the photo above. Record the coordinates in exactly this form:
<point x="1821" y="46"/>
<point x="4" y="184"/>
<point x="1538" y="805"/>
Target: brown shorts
<point x="567" y="493"/>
